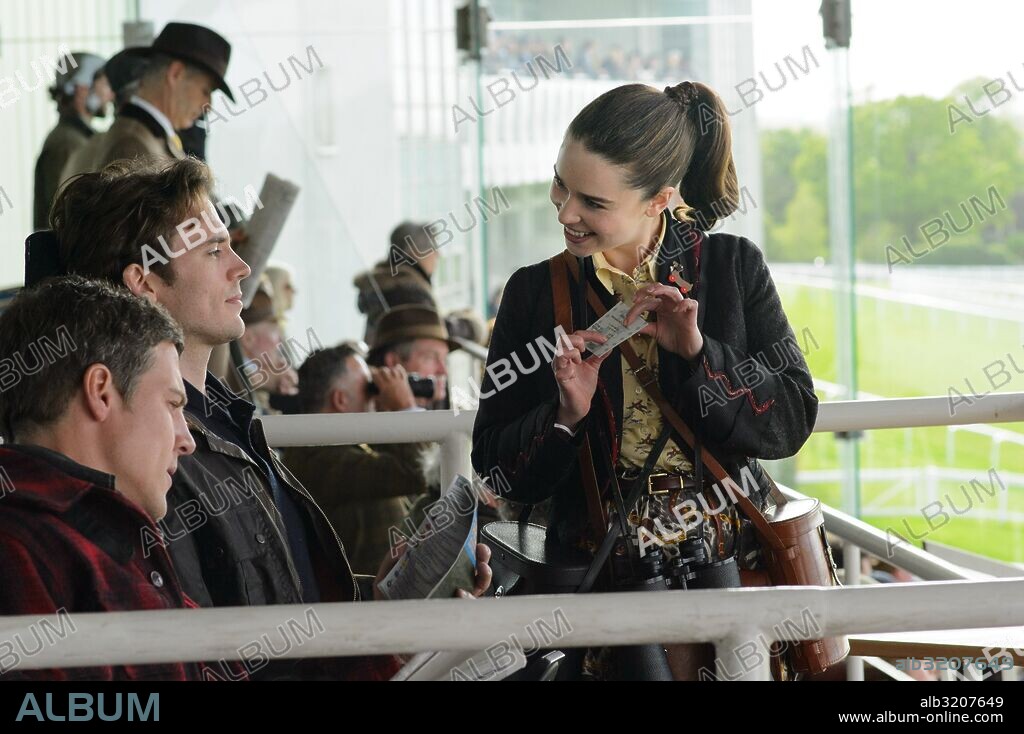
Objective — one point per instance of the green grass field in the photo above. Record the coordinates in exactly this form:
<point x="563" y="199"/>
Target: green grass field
<point x="910" y="351"/>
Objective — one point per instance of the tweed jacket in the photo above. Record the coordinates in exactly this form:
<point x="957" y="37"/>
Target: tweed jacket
<point x="69" y="136"/>
<point x="364" y="490"/>
<point x="134" y="134"/>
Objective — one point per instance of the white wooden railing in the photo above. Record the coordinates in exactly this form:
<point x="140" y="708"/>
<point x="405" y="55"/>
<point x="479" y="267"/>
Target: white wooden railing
<point x="743" y="620"/>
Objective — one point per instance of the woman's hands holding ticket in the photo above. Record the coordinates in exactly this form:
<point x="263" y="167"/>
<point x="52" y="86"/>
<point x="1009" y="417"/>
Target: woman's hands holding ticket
<point x="675" y="327"/>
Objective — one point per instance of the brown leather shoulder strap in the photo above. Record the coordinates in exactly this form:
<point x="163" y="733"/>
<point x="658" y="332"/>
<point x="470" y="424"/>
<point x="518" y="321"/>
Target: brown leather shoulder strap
<point x="560" y="293"/>
<point x="563" y="317"/>
<point x="648" y="381"/>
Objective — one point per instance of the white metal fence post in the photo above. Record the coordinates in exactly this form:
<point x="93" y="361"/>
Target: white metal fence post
<point x="455" y="458"/>
<point x="851" y="577"/>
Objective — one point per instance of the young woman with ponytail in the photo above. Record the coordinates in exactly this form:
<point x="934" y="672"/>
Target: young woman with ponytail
<point x="640" y="178"/>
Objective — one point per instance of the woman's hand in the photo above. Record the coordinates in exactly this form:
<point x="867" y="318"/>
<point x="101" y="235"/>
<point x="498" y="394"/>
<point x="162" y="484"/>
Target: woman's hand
<point x="676" y="327"/>
<point x="576" y="378"/>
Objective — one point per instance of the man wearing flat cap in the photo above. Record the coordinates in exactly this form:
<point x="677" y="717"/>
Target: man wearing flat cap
<point x="402" y="278"/>
<point x="186" y="63"/>
<point x="416" y="338"/>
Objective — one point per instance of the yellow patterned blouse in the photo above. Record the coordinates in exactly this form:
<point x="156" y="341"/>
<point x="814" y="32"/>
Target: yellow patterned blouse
<point x="641" y="419"/>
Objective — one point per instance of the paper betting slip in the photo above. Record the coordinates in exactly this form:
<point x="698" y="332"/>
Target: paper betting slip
<point x="611" y="326"/>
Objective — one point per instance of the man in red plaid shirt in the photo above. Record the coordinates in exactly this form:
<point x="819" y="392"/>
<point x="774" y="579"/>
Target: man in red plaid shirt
<point x="91" y="411"/>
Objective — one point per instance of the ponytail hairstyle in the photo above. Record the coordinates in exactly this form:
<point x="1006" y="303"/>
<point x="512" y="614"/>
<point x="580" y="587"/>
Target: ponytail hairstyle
<point x="680" y="137"/>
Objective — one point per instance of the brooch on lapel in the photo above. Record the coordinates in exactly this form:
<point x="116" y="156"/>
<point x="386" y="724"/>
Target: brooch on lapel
<point x="676" y="276"/>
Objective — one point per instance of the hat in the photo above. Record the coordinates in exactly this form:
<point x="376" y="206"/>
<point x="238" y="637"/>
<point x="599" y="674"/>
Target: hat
<point x="411" y="238"/>
<point x="408" y="322"/>
<point x="124" y="68"/>
<point x="195" y="44"/>
<point x="80" y="74"/>
<point x="469" y="331"/>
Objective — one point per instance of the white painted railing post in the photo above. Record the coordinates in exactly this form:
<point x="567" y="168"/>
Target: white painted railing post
<point x="455" y="458"/>
<point x="743" y="656"/>
<point x="851" y="573"/>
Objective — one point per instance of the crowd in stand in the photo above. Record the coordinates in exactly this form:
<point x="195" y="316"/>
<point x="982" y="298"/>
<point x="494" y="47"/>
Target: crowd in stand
<point x="590" y="59"/>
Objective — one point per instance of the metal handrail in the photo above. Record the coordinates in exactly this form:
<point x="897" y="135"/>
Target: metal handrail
<point x="844" y="415"/>
<point x="893" y="549"/>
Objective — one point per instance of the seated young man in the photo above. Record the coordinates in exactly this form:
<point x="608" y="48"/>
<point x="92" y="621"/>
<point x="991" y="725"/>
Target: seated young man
<point x="91" y="412"/>
<point x="242" y="530"/>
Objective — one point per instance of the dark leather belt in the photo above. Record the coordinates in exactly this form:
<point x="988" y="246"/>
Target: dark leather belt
<point x="663" y="483"/>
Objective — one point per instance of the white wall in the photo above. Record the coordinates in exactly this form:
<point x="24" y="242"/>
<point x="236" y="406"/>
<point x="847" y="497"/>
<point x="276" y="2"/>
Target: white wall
<point x="330" y="131"/>
<point x="28" y="30"/>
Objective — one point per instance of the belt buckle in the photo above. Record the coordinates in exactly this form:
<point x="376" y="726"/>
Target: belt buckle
<point x="655" y="492"/>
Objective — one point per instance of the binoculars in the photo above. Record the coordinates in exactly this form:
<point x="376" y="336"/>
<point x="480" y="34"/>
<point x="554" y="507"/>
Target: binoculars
<point x="422" y="387"/>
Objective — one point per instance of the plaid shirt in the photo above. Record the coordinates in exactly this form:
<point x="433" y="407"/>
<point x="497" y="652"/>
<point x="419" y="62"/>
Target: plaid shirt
<point x="69" y="540"/>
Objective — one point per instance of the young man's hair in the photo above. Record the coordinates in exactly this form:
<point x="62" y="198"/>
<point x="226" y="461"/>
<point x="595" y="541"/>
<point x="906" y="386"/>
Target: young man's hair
<point x="318" y="373"/>
<point x="104" y="219"/>
<point x="52" y="333"/>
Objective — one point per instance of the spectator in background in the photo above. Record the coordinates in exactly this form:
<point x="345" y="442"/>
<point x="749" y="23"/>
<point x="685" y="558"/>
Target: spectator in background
<point x="404" y="277"/>
<point x="588" y="63"/>
<point x="614" y="66"/>
<point x="364" y="489"/>
<point x="280" y="279"/>
<point x="122" y="73"/>
<point x="186" y="63"/>
<point x="468" y="329"/>
<point x="263" y="368"/>
<point x="415" y="338"/>
<point x="675" y="68"/>
<point x="282" y="283"/>
<point x="79" y="98"/>
<point x="92" y="440"/>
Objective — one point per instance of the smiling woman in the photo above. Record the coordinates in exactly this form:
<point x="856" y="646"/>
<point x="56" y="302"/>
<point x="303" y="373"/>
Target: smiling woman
<point x="587" y="432"/>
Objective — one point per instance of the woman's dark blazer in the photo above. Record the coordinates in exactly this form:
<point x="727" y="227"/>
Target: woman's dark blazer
<point x="751" y="380"/>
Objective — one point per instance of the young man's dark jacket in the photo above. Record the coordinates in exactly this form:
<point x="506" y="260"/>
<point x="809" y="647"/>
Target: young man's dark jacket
<point x="226" y="535"/>
<point x="228" y="540"/>
<point x="751" y="378"/>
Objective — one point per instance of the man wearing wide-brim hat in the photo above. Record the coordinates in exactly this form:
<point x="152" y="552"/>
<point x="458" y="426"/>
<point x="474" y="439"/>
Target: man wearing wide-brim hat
<point x="187" y="63"/>
<point x="416" y="338"/>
